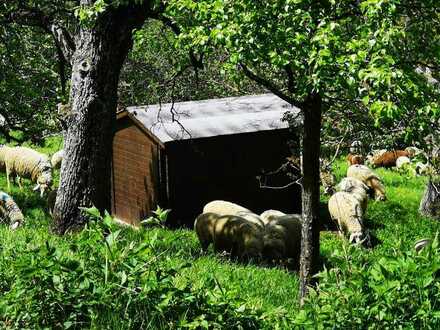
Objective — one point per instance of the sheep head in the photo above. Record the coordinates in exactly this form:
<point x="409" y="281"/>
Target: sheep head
<point x="44" y="182"/>
<point x="360" y="238"/>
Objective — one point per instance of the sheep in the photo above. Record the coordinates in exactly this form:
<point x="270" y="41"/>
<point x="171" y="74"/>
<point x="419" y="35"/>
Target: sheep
<point x="282" y="238"/>
<point x="367" y="176"/>
<point x="3" y="150"/>
<point x="269" y="215"/>
<point x="388" y="159"/>
<point x="229" y="233"/>
<point x="373" y="156"/>
<point x="57" y="158"/>
<point x="227" y="208"/>
<point x="402" y="161"/>
<point x="353" y="159"/>
<point x="28" y="163"/>
<point x="9" y="211"/>
<point x="347" y="210"/>
<point x="356" y="187"/>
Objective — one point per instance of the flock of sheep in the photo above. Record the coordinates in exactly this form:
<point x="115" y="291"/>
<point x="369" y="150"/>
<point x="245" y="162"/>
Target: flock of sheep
<point x="24" y="163"/>
<point x="234" y="229"/>
<point x="274" y="235"/>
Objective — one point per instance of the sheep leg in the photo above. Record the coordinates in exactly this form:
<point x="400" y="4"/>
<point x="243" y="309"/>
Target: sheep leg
<point x="19" y="182"/>
<point x="7" y="179"/>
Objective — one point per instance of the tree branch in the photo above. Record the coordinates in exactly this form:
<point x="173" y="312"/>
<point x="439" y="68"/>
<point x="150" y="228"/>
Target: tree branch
<point x="35" y="17"/>
<point x="271" y="87"/>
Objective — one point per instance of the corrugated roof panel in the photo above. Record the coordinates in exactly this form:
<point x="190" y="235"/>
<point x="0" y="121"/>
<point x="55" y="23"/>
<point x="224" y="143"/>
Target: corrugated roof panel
<point x="198" y="119"/>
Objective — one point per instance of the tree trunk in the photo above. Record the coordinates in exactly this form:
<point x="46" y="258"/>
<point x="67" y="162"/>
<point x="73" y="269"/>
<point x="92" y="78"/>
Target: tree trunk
<point x="309" y="260"/>
<point x="86" y="169"/>
<point x="430" y="203"/>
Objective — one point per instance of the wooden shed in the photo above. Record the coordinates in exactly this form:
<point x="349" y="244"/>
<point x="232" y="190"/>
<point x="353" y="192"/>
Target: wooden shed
<point x="183" y="155"/>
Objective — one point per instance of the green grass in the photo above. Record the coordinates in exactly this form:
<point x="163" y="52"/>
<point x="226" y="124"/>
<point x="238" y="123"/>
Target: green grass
<point x="395" y="224"/>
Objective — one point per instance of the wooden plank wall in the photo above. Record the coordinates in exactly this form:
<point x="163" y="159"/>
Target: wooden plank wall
<point x="135" y="173"/>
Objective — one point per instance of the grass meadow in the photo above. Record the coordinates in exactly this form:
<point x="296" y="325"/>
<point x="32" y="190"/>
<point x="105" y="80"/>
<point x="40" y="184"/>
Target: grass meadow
<point x="268" y="294"/>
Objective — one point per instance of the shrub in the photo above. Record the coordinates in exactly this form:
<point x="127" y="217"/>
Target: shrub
<point x="399" y="291"/>
<point x="100" y="278"/>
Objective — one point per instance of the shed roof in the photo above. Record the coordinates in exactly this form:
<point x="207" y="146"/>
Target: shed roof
<point x="200" y="119"/>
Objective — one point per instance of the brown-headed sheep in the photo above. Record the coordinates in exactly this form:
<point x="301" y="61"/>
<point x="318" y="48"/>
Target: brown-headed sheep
<point x="27" y="163"/>
<point x="388" y="159"/>
<point x="371" y="179"/>
<point x="355" y="159"/>
<point x="229" y="233"/>
<point x="228" y="208"/>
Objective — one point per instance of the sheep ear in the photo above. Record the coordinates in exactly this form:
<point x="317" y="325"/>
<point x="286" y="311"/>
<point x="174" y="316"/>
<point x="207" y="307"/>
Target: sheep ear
<point x="42" y="188"/>
<point x="37" y="187"/>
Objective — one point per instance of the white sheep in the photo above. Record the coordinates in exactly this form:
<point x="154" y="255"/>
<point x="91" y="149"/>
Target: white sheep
<point x="24" y="162"/>
<point x="371" y="179"/>
<point x="402" y="161"/>
<point x="355" y="187"/>
<point x="227" y="208"/>
<point x="57" y="159"/>
<point x="9" y="211"/>
<point x="3" y="150"/>
<point x="229" y="233"/>
<point x="268" y="215"/>
<point x="282" y="238"/>
<point x="347" y="210"/>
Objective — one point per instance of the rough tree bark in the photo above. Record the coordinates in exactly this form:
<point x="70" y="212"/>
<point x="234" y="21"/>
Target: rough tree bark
<point x="309" y="261"/>
<point x="430" y="203"/>
<point x="96" y="65"/>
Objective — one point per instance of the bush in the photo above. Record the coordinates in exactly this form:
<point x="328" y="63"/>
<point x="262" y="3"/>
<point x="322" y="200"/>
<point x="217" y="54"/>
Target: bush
<point x="395" y="292"/>
<point x="101" y="279"/>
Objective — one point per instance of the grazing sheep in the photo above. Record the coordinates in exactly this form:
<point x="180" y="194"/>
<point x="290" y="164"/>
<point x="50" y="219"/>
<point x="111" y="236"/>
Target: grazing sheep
<point x="402" y="161"/>
<point x="388" y="159"/>
<point x="413" y="151"/>
<point x="328" y="180"/>
<point x="227" y="208"/>
<point x="27" y="163"/>
<point x="355" y="159"/>
<point x="347" y="210"/>
<point x="9" y="211"/>
<point x="357" y="188"/>
<point x="282" y="238"/>
<point x="57" y="158"/>
<point x="3" y="150"/>
<point x="367" y="176"/>
<point x="373" y="156"/>
<point x="269" y="215"/>
<point x="229" y="233"/>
